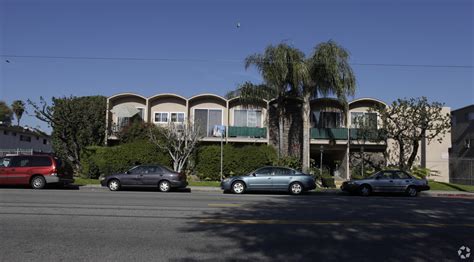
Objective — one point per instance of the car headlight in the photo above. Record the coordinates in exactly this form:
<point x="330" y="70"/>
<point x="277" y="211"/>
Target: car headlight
<point x="226" y="180"/>
<point x="351" y="183"/>
<point x="102" y="178"/>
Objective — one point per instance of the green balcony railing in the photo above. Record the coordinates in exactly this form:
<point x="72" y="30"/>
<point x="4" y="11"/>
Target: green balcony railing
<point x="373" y="135"/>
<point x="329" y="133"/>
<point x="244" y="131"/>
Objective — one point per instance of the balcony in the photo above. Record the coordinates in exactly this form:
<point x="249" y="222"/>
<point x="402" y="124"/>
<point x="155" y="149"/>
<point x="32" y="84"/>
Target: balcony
<point x="329" y="133"/>
<point x="243" y="131"/>
<point x="372" y="135"/>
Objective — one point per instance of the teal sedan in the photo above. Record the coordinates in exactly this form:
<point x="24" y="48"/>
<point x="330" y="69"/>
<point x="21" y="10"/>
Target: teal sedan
<point x="270" y="178"/>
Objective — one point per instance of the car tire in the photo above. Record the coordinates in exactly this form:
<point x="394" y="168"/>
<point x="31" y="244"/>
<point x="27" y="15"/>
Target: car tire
<point x="296" y="188"/>
<point x="114" y="185"/>
<point x="238" y="187"/>
<point x="164" y="186"/>
<point x="38" y="182"/>
<point x="412" y="191"/>
<point x="365" y="190"/>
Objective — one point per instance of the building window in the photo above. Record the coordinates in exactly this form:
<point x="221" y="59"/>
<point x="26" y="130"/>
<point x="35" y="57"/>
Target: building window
<point x="206" y="119"/>
<point x="122" y="122"/>
<point x="25" y="138"/>
<point x="470" y="116"/>
<point x="45" y="142"/>
<point x="249" y="118"/>
<point x="360" y="119"/>
<point x="177" y="117"/>
<point x="161" y="117"/>
<point x="141" y="112"/>
<point x="323" y="119"/>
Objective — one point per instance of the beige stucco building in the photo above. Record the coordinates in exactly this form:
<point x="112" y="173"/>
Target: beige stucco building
<point x="334" y="131"/>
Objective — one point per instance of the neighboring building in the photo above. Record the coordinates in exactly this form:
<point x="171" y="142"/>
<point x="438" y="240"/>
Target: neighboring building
<point x="334" y="130"/>
<point x="462" y="151"/>
<point x="23" y="140"/>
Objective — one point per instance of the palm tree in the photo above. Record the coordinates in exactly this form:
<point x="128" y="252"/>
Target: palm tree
<point x="18" y="108"/>
<point x="329" y="74"/>
<point x="5" y="113"/>
<point x="283" y="69"/>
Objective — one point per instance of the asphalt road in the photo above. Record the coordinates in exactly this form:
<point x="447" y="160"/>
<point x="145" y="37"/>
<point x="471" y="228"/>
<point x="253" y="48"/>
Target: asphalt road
<point x="98" y="225"/>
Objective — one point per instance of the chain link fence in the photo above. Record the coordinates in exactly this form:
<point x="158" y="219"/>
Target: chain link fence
<point x="461" y="171"/>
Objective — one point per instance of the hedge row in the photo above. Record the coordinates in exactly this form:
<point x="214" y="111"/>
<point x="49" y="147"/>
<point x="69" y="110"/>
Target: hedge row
<point x="237" y="160"/>
<point x="97" y="160"/>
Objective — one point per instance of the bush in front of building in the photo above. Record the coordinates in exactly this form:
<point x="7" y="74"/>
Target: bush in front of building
<point x="237" y="160"/>
<point x="98" y="160"/>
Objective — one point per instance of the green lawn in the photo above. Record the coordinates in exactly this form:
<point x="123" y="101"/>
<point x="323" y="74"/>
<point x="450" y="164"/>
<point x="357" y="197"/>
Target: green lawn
<point x="205" y="183"/>
<point x="85" y="181"/>
<point x="450" y="187"/>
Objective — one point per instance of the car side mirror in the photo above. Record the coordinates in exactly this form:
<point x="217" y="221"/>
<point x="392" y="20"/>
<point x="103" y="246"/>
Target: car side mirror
<point x="128" y="172"/>
<point x="253" y="174"/>
<point x="377" y="177"/>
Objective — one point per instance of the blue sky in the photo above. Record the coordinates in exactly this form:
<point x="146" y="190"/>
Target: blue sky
<point x="207" y="49"/>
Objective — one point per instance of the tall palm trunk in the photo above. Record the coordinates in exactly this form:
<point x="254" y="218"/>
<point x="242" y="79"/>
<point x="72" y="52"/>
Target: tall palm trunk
<point x="281" y="128"/>
<point x="306" y="131"/>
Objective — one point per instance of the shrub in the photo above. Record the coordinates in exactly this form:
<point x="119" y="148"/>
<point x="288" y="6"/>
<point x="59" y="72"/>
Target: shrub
<point x="289" y="161"/>
<point x="237" y="160"/>
<point x="328" y="181"/>
<point x="98" y="161"/>
<point x="135" y="131"/>
<point x="420" y="172"/>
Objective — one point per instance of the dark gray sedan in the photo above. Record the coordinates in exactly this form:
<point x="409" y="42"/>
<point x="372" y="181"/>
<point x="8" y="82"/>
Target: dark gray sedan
<point x="270" y="179"/>
<point x="387" y="181"/>
<point x="146" y="176"/>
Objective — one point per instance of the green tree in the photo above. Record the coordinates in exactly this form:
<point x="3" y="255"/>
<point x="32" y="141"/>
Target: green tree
<point x="5" y="113"/>
<point x="77" y="122"/>
<point x="282" y="68"/>
<point x="329" y="74"/>
<point x="408" y="121"/>
<point x="18" y="108"/>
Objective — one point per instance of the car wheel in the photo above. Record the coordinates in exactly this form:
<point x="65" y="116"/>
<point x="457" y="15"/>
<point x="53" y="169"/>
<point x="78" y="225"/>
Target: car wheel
<point x="365" y="190"/>
<point x="114" y="185"/>
<point x="296" y="188"/>
<point x="411" y="191"/>
<point x="238" y="187"/>
<point x="164" y="186"/>
<point x="38" y="182"/>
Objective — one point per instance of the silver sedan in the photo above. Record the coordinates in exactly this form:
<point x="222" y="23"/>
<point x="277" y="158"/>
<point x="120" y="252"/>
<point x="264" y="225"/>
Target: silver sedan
<point x="387" y="181"/>
<point x="270" y="179"/>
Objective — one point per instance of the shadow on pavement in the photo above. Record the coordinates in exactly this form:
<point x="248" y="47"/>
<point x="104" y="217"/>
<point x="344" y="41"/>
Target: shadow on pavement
<point x="338" y="228"/>
<point x="48" y="187"/>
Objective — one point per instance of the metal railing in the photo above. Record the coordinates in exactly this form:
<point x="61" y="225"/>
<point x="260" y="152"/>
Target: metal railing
<point x="18" y="151"/>
<point x="461" y="171"/>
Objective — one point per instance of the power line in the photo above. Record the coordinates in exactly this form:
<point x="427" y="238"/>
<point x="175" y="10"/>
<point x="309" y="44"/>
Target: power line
<point x="213" y="60"/>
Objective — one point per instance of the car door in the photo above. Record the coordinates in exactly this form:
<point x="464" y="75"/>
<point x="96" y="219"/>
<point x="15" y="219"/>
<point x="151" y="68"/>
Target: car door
<point x="261" y="179"/>
<point x="4" y="169"/>
<point x="150" y="176"/>
<point x="18" y="173"/>
<point x="282" y="177"/>
<point x="131" y="177"/>
<point x="383" y="182"/>
<point x="402" y="181"/>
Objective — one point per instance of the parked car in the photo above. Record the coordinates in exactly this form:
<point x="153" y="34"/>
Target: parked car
<point x="146" y="176"/>
<point x="387" y="181"/>
<point x="35" y="170"/>
<point x="270" y="179"/>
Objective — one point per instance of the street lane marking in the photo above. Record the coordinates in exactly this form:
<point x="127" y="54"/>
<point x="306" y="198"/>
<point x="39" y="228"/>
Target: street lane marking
<point x="224" y="205"/>
<point x="326" y="223"/>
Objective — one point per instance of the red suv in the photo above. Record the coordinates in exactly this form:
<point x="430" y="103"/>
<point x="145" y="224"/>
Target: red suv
<point x="35" y="170"/>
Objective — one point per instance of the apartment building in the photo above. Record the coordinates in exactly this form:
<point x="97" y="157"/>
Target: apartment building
<point x="335" y="135"/>
<point x="462" y="150"/>
<point x="16" y="139"/>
